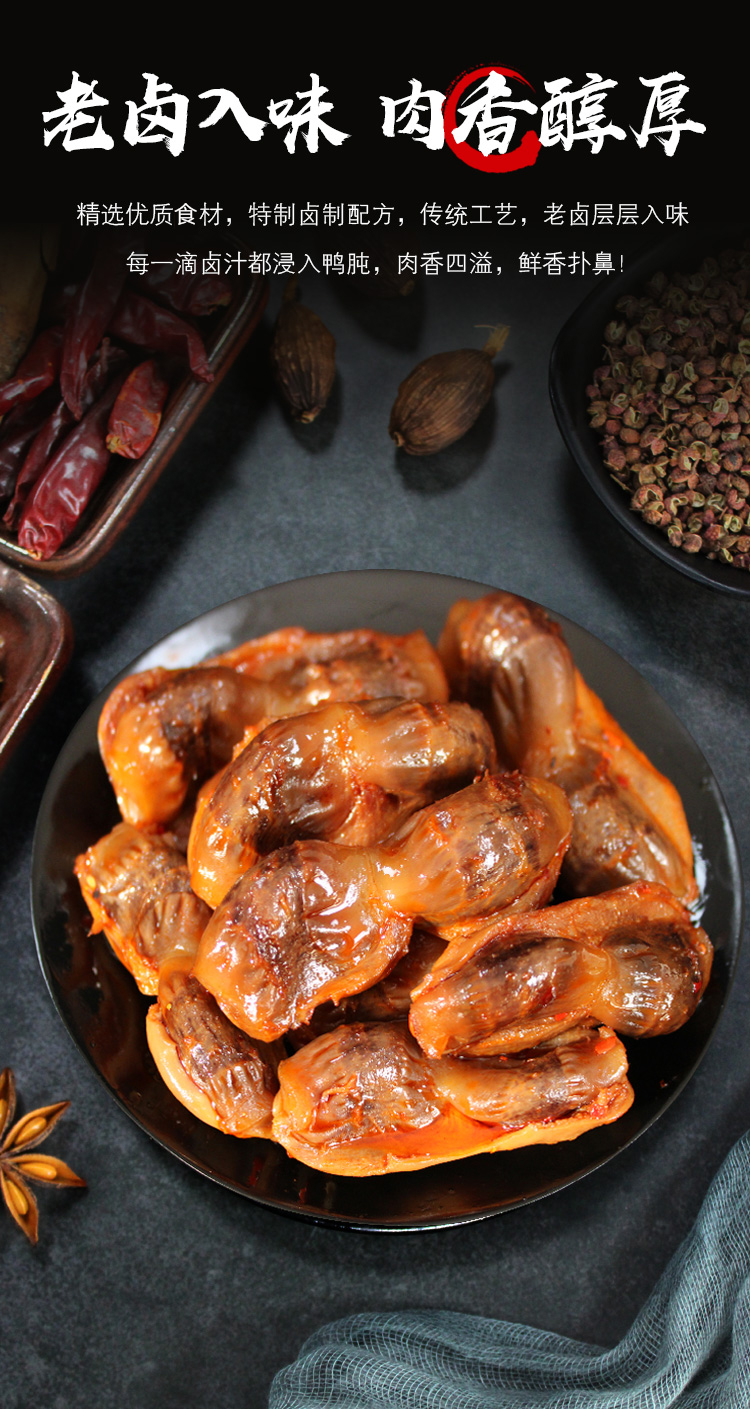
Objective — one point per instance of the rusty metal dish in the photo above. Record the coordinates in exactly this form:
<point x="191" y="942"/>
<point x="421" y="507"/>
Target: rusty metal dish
<point x="36" y="642"/>
<point x="125" y="487"/>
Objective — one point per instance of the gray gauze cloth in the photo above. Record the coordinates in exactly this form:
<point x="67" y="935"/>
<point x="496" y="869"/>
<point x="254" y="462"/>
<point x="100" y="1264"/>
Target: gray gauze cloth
<point x="689" y="1347"/>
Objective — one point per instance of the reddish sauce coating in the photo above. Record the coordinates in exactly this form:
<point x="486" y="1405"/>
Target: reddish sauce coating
<point x="384" y="1001"/>
<point x="162" y="732"/>
<point x="137" y="888"/>
<point x="236" y="1074"/>
<point x="316" y="921"/>
<point x="630" y="958"/>
<point x="506" y="656"/>
<point x="346" y="771"/>
<point x="365" y="1099"/>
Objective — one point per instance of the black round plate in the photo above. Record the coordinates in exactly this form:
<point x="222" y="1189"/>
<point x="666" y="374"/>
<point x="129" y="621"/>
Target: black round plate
<point x="104" y="1013"/>
<point x="578" y="351"/>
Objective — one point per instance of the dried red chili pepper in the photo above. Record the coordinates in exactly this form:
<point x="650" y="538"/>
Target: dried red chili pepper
<point x="195" y="294"/>
<point x="60" y="496"/>
<point x="16" y="435"/>
<point x="144" y="323"/>
<point x="136" y="415"/>
<point x="89" y="320"/>
<point x="35" y="457"/>
<point x="58" y="301"/>
<point x="108" y="361"/>
<point x="36" y="371"/>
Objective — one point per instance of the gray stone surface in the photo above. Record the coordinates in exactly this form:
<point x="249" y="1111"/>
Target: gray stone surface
<point x="156" y="1287"/>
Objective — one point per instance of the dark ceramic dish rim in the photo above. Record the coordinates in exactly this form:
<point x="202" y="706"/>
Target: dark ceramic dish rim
<point x="575" y="354"/>
<point x="18" y="708"/>
<point x="594" y="1152"/>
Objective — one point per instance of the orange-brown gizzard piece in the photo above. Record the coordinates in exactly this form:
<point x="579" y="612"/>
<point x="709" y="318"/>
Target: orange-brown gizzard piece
<point x="306" y="925"/>
<point x="478" y="850"/>
<point x="137" y="888"/>
<point x="388" y="999"/>
<point x="216" y="1071"/>
<point x="213" y="1069"/>
<point x="365" y="1099"/>
<point x="316" y="921"/>
<point x="341" y="665"/>
<point x="505" y="655"/>
<point x="348" y="772"/>
<point x="630" y="958"/>
<point x="391" y="997"/>
<point x="162" y="732"/>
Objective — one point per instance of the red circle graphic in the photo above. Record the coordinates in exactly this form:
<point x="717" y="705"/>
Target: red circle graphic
<point x="525" y="154"/>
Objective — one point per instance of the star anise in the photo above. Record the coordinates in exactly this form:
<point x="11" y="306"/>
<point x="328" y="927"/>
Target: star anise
<point x="17" y="1164"/>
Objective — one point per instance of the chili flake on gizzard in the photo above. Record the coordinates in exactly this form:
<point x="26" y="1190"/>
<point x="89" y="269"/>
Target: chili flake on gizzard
<point x="673" y="406"/>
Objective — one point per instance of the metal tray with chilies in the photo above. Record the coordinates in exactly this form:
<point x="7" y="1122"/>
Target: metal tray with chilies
<point x="121" y="493"/>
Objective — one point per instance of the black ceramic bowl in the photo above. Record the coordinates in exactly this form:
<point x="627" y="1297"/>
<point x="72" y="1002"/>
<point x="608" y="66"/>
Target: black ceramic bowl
<point x="104" y="1013"/>
<point x="578" y="351"/>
